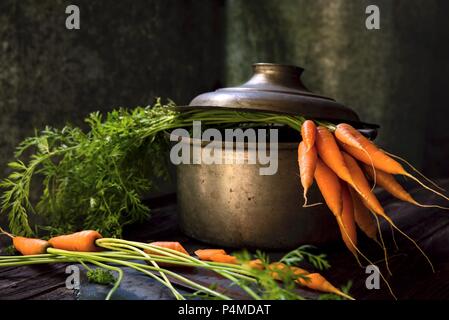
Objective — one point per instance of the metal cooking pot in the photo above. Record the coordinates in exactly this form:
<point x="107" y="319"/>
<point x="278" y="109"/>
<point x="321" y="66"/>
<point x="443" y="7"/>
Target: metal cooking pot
<point x="232" y="204"/>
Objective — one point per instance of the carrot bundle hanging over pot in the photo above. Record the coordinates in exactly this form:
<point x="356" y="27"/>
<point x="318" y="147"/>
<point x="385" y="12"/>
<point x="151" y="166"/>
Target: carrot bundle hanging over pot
<point x="336" y="165"/>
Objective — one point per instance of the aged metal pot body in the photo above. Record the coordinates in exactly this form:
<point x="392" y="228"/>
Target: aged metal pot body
<point x="232" y="204"/>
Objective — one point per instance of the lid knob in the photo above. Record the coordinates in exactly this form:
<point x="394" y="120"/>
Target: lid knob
<point x="273" y="76"/>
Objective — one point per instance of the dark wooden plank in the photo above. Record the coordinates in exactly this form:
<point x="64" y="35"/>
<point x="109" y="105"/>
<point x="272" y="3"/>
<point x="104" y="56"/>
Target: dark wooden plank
<point x="31" y="281"/>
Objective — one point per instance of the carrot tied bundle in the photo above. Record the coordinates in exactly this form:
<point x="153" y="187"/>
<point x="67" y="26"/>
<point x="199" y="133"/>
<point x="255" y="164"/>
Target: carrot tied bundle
<point x="339" y="158"/>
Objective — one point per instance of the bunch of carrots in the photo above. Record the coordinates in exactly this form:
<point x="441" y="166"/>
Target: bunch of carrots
<point x="342" y="161"/>
<point x="90" y="247"/>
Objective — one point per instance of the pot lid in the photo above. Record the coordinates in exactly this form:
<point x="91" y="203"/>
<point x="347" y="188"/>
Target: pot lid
<point x="276" y="88"/>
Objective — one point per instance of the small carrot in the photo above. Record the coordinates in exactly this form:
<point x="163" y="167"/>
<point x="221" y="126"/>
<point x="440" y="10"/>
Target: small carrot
<point x="83" y="241"/>
<point x="206" y="254"/>
<point x="329" y="152"/>
<point x="313" y="281"/>
<point x="30" y="246"/>
<point x="316" y="281"/>
<point x="363" y="217"/>
<point x="308" y="133"/>
<point x="174" y="245"/>
<point x="27" y="246"/>
<point x="330" y="187"/>
<point x="370" y="154"/>
<point x="363" y="187"/>
<point x="279" y="269"/>
<point x="347" y="222"/>
<point x="255" y="264"/>
<point x="371" y="201"/>
<point x="347" y="134"/>
<point x="332" y="191"/>
<point x="223" y="258"/>
<point x="307" y="163"/>
<point x="389" y="183"/>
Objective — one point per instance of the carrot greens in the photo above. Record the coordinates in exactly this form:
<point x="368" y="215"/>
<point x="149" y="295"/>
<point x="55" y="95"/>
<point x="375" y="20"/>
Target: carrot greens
<point x="96" y="178"/>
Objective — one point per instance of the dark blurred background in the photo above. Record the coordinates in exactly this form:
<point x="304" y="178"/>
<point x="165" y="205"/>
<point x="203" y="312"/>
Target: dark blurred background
<point x="129" y="52"/>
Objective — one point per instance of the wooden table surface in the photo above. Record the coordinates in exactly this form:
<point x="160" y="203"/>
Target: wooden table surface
<point x="412" y="277"/>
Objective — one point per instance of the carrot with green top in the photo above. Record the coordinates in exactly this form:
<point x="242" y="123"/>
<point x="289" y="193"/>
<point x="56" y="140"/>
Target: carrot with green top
<point x="206" y="254"/>
<point x="308" y="133"/>
<point x="307" y="159"/>
<point x="347" y="222"/>
<point x="83" y="241"/>
<point x="313" y="281"/>
<point x="330" y="153"/>
<point x="27" y="246"/>
<point x="366" y="151"/>
<point x="363" y="217"/>
<point x="372" y="202"/>
<point x="224" y="258"/>
<point x="174" y="245"/>
<point x="330" y="187"/>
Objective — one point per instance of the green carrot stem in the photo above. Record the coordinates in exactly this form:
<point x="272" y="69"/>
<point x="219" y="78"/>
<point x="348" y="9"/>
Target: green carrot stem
<point x="168" y="283"/>
<point x="184" y="256"/>
<point x="87" y="255"/>
<point x="191" y="262"/>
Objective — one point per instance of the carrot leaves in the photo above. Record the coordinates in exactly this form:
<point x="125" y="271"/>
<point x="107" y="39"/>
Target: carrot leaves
<point x="74" y="179"/>
<point x="302" y="253"/>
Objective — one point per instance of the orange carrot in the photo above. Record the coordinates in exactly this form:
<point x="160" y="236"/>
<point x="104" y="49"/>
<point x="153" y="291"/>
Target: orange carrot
<point x="364" y="190"/>
<point x="347" y="134"/>
<point x="80" y="241"/>
<point x="347" y="221"/>
<point x="367" y="152"/>
<point x="255" y="264"/>
<point x="30" y="246"/>
<point x="363" y="187"/>
<point x="332" y="191"/>
<point x="363" y="217"/>
<point x="371" y="201"/>
<point x="307" y="164"/>
<point x="223" y="258"/>
<point x="329" y="152"/>
<point x="174" y="245"/>
<point x="27" y="246"/>
<point x="308" y="133"/>
<point x="206" y="254"/>
<point x="313" y="281"/>
<point x="278" y="269"/>
<point x="389" y="183"/>
<point x="330" y="187"/>
<point x="316" y="281"/>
